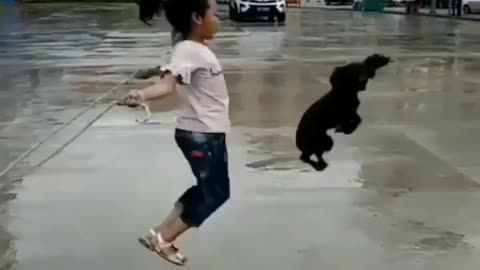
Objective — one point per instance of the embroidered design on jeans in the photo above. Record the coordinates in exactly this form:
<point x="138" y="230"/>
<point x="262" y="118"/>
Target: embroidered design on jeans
<point x="203" y="174"/>
<point x="199" y="137"/>
<point x="197" y="154"/>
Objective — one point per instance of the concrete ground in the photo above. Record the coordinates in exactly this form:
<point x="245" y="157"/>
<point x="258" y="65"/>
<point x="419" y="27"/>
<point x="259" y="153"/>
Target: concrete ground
<point x="400" y="193"/>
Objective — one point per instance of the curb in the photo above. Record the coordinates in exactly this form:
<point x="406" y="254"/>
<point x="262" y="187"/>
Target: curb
<point x="441" y="16"/>
<point x="432" y="15"/>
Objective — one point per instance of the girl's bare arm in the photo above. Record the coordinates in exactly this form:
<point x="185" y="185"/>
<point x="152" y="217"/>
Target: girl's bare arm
<point x="162" y="88"/>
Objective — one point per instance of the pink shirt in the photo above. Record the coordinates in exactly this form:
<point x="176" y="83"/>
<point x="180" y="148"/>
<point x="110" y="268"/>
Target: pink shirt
<point x="202" y="89"/>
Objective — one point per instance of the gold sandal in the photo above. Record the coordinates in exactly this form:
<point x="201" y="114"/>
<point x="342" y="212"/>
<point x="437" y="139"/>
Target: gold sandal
<point x="176" y="258"/>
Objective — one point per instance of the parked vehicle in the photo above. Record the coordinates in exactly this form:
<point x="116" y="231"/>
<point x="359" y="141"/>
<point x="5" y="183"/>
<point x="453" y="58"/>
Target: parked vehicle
<point x="339" y="2"/>
<point x="253" y="9"/>
<point x="394" y="3"/>
<point x="357" y="4"/>
<point x="471" y="6"/>
<point x="440" y="3"/>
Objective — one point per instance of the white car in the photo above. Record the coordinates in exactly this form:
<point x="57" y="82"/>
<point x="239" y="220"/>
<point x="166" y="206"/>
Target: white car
<point x="271" y="9"/>
<point x="471" y="6"/>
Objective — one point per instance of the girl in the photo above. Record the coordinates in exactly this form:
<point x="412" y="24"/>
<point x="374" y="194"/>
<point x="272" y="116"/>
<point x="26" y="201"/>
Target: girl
<point x="202" y="122"/>
<point x="175" y="37"/>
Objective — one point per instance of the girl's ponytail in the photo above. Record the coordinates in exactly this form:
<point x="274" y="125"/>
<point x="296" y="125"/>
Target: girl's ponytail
<point x="148" y="9"/>
<point x="177" y="12"/>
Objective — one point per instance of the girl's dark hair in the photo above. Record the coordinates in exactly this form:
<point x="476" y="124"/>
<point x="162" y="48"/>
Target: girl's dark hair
<point x="178" y="12"/>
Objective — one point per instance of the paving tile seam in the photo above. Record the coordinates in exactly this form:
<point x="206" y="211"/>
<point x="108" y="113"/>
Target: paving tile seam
<point x="439" y="157"/>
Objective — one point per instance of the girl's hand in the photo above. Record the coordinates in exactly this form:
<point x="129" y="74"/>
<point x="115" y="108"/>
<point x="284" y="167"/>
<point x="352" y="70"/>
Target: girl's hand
<point x="134" y="98"/>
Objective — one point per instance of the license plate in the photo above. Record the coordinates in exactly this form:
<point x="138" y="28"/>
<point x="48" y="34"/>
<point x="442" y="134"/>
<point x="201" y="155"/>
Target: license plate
<point x="263" y="9"/>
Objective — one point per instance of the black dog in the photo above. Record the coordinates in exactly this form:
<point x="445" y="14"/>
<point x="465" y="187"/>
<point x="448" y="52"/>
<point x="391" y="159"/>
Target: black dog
<point x="336" y="109"/>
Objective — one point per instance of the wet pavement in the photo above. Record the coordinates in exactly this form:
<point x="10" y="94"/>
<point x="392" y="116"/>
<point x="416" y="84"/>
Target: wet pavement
<point x="401" y="193"/>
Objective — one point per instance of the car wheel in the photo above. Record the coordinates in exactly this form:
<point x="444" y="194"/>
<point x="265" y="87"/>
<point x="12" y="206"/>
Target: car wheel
<point x="327" y="3"/>
<point x="466" y="9"/>
<point x="281" y="18"/>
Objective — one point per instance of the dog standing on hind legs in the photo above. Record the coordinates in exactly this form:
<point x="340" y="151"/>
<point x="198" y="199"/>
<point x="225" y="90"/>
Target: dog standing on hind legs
<point x="336" y="109"/>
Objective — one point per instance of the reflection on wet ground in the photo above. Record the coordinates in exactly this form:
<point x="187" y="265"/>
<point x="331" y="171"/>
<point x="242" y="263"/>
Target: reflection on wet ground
<point x="414" y="155"/>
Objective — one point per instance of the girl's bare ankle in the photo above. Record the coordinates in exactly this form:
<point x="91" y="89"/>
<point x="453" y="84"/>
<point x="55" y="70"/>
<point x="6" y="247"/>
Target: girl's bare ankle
<point x="158" y="241"/>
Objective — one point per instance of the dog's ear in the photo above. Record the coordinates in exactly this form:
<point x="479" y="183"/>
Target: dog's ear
<point x="347" y="77"/>
<point x="369" y="72"/>
<point x="336" y="79"/>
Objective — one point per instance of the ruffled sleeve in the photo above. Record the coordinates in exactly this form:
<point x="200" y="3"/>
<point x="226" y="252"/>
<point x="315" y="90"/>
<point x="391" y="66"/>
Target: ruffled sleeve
<point x="185" y="60"/>
<point x="182" y="71"/>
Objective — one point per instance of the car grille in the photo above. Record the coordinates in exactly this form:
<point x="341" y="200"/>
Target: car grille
<point x="262" y="1"/>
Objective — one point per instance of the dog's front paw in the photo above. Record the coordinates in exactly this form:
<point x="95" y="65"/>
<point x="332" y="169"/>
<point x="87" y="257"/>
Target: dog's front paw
<point x="339" y="128"/>
<point x="348" y="131"/>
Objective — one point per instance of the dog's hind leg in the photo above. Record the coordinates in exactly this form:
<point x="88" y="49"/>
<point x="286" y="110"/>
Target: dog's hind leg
<point x="325" y="146"/>
<point x="318" y="165"/>
<point x="306" y="157"/>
